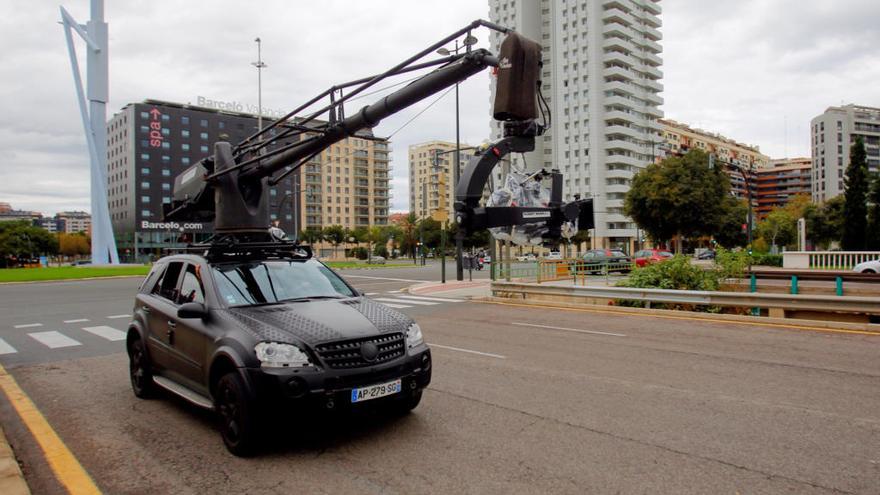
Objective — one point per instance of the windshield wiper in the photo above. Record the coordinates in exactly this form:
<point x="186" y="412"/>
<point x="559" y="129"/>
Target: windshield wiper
<point x="313" y="298"/>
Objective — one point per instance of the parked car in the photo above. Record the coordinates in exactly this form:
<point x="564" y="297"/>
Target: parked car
<point x="598" y="260"/>
<point x="647" y="256"/>
<point x="868" y="267"/>
<point x="376" y="260"/>
<point x="249" y="332"/>
<point x="554" y="255"/>
<point x="527" y="257"/>
<point x="709" y="254"/>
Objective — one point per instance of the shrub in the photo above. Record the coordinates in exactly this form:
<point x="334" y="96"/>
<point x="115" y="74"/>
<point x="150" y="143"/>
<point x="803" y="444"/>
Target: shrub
<point x="360" y="253"/>
<point x="767" y="259"/>
<point x="381" y="251"/>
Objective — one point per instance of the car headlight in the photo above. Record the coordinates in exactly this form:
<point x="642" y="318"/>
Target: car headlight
<point x="277" y="355"/>
<point x="413" y="336"/>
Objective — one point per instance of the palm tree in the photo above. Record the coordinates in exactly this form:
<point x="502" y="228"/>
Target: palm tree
<point x="409" y="225"/>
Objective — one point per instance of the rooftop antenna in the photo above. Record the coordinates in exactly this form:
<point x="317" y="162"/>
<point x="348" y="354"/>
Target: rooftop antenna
<point x="94" y="119"/>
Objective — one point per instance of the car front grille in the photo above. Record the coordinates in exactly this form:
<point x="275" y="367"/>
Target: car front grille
<point x="346" y="354"/>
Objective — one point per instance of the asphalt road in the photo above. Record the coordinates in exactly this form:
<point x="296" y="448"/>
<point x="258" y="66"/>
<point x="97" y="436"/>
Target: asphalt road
<point x="524" y="400"/>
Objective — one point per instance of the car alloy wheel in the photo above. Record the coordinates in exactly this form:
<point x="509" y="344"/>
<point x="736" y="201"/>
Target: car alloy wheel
<point x="236" y="424"/>
<point x="139" y="370"/>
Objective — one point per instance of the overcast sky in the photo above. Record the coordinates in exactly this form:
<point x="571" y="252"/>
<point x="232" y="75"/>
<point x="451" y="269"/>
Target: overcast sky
<point x="754" y="70"/>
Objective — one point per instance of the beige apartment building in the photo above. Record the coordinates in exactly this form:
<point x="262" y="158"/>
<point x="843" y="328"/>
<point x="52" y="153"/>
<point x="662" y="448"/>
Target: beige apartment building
<point x="781" y="182"/>
<point x="347" y="185"/>
<point x="740" y="161"/>
<point x="430" y="176"/>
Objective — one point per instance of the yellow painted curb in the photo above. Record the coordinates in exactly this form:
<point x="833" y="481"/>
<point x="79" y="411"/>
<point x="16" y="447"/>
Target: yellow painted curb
<point x="66" y="467"/>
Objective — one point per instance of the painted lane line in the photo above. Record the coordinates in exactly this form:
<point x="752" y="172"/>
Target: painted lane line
<point x="398" y="301"/>
<point x="108" y="333"/>
<point x="116" y="317"/>
<point x="439" y="299"/>
<point x="61" y="460"/>
<point x="488" y="354"/>
<point x="29" y="325"/>
<point x="54" y="340"/>
<point x="397" y="306"/>
<point x="394" y="291"/>
<point x="564" y="329"/>
<point x="81" y="320"/>
<point x="371" y="293"/>
<point x="384" y="278"/>
<point x="6" y="348"/>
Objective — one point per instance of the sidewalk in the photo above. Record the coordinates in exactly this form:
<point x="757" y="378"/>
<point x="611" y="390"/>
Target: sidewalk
<point x="453" y="289"/>
<point x="11" y="480"/>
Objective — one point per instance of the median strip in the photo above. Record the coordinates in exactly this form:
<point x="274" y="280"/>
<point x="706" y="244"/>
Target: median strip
<point x="61" y="460"/>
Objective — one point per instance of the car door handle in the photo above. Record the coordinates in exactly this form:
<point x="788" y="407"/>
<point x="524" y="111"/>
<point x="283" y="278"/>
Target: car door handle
<point x="172" y="325"/>
<point x="145" y="309"/>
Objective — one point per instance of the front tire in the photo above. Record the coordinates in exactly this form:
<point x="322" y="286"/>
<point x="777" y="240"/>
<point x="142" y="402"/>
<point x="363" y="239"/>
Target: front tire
<point x="139" y="370"/>
<point x="236" y="415"/>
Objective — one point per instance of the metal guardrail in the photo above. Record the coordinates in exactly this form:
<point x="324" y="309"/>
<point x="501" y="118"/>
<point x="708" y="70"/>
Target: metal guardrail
<point x="544" y="270"/>
<point x="818" y="276"/>
<point x="844" y="304"/>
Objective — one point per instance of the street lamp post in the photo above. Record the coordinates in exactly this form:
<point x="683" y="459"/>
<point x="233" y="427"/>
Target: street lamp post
<point x="459" y="236"/>
<point x="260" y="65"/>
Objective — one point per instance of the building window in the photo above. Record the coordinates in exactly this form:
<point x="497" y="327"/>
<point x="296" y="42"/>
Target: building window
<point x="203" y="135"/>
<point x="145" y="156"/>
<point x="166" y="200"/>
<point x="145" y="185"/>
<point x="184" y="133"/>
<point x="184" y="147"/>
<point x="145" y="115"/>
<point x="185" y="121"/>
<point x="203" y="148"/>
<point x="166" y="145"/>
<point x="145" y="128"/>
<point x="203" y="123"/>
<point x="145" y="213"/>
<point x="185" y="160"/>
<point x="222" y="125"/>
<point x="145" y="199"/>
<point x="166" y="187"/>
<point x="145" y="171"/>
<point x="166" y="172"/>
<point x="166" y="158"/>
<point x="166" y="131"/>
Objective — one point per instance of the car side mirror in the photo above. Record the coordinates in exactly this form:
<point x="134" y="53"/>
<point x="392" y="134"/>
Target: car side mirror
<point x="192" y="310"/>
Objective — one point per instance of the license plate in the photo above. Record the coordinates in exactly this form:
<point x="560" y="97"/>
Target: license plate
<point x="375" y="391"/>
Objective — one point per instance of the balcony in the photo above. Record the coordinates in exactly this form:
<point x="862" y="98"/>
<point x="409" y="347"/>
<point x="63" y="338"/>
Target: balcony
<point x="621" y="87"/>
<point x="651" y="57"/>
<point x="618" y="58"/>
<point x="621" y="43"/>
<point x="618" y="72"/>
<point x="650" y="6"/>
<point x="620" y="101"/>
<point x="618" y="15"/>
<point x="624" y="160"/>
<point x="619" y="144"/>
<point x="611" y="130"/>
<point x="615" y="28"/>
<point x="651" y="71"/>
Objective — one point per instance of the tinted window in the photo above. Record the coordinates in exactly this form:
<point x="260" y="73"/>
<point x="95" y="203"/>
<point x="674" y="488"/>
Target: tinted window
<point x="191" y="288"/>
<point x="263" y="282"/>
<point x="167" y="285"/>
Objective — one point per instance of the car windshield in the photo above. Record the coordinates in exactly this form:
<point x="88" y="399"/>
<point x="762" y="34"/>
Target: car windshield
<point x="268" y="282"/>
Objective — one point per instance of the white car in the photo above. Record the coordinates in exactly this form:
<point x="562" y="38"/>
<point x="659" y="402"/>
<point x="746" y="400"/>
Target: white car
<point x="554" y="255"/>
<point x="868" y="267"/>
<point x="526" y="257"/>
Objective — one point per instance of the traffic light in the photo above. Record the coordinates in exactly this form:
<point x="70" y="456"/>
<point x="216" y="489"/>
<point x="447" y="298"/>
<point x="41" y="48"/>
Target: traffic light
<point x="745" y="228"/>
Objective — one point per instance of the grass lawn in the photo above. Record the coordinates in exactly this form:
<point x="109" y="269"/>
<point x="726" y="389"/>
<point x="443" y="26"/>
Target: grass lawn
<point x="342" y="265"/>
<point x="68" y="273"/>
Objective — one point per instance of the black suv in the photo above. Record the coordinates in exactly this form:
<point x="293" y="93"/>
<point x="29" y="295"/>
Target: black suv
<point x="248" y="330"/>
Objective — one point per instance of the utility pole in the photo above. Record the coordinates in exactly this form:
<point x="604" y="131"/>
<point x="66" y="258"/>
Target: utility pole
<point x="260" y="65"/>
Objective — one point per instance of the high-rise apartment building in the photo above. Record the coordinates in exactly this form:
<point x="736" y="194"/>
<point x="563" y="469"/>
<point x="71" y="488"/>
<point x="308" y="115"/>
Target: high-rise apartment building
<point x="831" y="134"/>
<point x="150" y="143"/>
<point x="431" y="168"/>
<point x="601" y="77"/>
<point x="781" y="181"/>
<point x="740" y="161"/>
<point x="71" y="222"/>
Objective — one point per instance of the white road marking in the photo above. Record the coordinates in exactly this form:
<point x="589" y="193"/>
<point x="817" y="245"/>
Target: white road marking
<point x="384" y="278"/>
<point x="54" y="339"/>
<point x="497" y="356"/>
<point x="576" y="330"/>
<point x="371" y="293"/>
<point x="108" y="333"/>
<point x="29" y="325"/>
<point x="396" y="306"/>
<point x="81" y="320"/>
<point x="420" y="303"/>
<point x="394" y="291"/>
<point x="423" y="298"/>
<point x="6" y="348"/>
<point x="115" y="317"/>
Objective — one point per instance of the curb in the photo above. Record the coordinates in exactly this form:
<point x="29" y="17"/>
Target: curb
<point x="790" y="323"/>
<point x="11" y="479"/>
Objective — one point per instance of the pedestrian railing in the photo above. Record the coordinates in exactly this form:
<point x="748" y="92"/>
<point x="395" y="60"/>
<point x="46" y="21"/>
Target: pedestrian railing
<point x="576" y="270"/>
<point x="827" y="260"/>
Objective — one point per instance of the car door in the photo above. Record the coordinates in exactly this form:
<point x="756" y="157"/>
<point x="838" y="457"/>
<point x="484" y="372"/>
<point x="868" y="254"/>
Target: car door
<point x="189" y="336"/>
<point x="160" y="307"/>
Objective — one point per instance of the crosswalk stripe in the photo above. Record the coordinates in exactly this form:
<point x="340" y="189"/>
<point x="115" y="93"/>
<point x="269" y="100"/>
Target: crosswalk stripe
<point x="396" y="306"/>
<point x="423" y="298"/>
<point x="80" y="320"/>
<point x="108" y="333"/>
<point x="6" y="348"/>
<point x="29" y="325"/>
<point x="399" y="301"/>
<point x="54" y="339"/>
<point x="371" y="293"/>
<point x="114" y="317"/>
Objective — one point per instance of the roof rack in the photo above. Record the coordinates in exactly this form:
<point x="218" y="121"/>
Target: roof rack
<point x="229" y="248"/>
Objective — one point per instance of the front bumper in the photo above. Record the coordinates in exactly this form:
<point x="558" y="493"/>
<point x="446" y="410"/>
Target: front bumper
<point x="331" y="388"/>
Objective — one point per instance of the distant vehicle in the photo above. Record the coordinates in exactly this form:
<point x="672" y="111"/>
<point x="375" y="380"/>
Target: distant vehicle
<point x="598" y="260"/>
<point x="554" y="255"/>
<point x="82" y="262"/>
<point x="485" y="259"/>
<point x="648" y="256"/>
<point x="706" y="255"/>
<point x="376" y="260"/>
<point x="527" y="257"/>
<point x="868" y="267"/>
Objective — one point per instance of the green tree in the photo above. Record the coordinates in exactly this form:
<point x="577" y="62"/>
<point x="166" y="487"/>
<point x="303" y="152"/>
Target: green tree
<point x="410" y="236"/>
<point x="825" y="222"/>
<point x="377" y="237"/>
<point x="855" y="210"/>
<point x="395" y="234"/>
<point x="311" y="235"/>
<point x="21" y="239"/>
<point x="680" y="196"/>
<point x="335" y="235"/>
<point x="730" y="232"/>
<point x="429" y="232"/>
<point x="874" y="214"/>
<point x="778" y="228"/>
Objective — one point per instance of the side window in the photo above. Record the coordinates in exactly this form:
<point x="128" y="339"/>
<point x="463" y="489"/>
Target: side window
<point x="149" y="283"/>
<point x="191" y="288"/>
<point x="168" y="285"/>
<point x="156" y="279"/>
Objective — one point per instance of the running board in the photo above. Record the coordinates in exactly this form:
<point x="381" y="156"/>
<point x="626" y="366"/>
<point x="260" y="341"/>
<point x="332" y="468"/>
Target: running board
<point x="184" y="392"/>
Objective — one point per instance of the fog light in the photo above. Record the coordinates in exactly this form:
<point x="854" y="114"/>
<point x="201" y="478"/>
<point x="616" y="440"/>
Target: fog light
<point x="296" y="387"/>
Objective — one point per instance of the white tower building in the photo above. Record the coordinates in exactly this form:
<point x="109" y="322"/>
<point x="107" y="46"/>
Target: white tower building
<point x="601" y="77"/>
